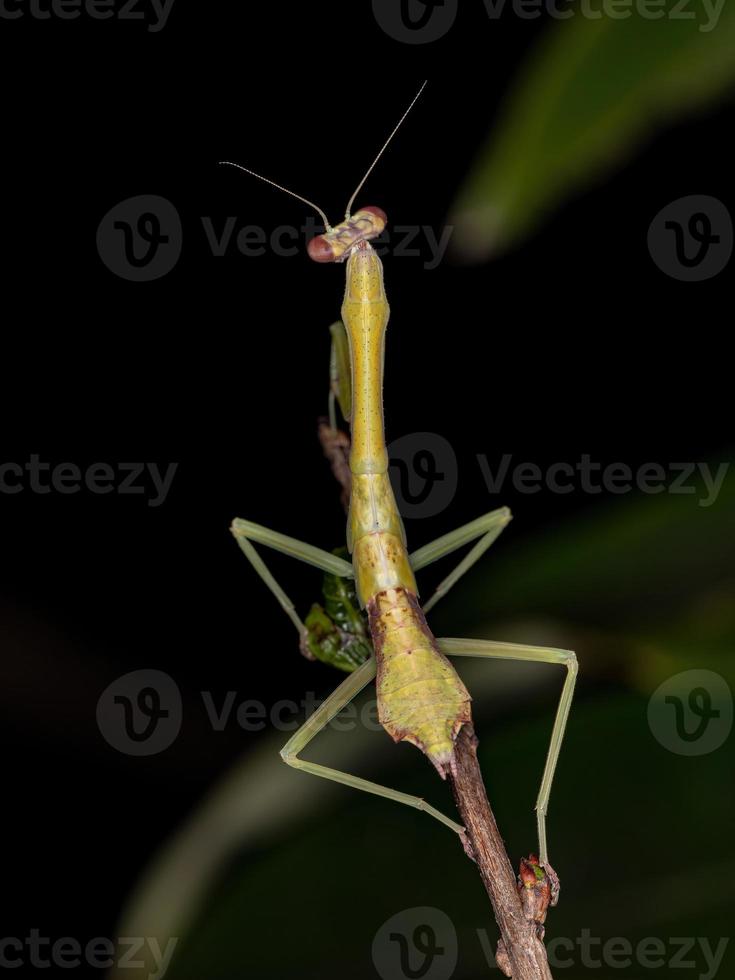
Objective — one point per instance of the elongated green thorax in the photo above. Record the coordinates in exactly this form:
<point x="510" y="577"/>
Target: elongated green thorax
<point x="420" y="697"/>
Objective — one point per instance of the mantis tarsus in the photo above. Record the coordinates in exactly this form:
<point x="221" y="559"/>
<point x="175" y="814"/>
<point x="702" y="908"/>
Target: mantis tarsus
<point x="421" y="699"/>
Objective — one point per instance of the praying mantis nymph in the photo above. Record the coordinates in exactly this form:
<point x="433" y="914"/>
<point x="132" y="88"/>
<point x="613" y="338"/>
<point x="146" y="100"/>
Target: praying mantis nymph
<point x="421" y="699"/>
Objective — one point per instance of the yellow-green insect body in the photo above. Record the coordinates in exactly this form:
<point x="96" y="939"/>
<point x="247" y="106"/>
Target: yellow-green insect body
<point x="420" y="696"/>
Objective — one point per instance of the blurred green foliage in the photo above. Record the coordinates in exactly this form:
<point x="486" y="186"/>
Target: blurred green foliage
<point x="593" y="90"/>
<point x="281" y="874"/>
<point x="631" y="867"/>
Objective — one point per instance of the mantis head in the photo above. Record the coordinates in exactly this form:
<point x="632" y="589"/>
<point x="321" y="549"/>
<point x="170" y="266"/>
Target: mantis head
<point x="337" y="243"/>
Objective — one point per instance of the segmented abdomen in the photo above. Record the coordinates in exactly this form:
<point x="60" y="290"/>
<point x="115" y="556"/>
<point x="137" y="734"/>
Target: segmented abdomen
<point x="420" y="697"/>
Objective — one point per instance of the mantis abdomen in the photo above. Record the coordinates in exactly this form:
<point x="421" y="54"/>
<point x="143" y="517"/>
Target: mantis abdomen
<point x="420" y="696"/>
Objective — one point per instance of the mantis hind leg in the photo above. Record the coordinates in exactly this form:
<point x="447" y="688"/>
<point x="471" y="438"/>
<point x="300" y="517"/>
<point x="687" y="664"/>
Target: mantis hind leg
<point x="515" y="651"/>
<point x="339" y="698"/>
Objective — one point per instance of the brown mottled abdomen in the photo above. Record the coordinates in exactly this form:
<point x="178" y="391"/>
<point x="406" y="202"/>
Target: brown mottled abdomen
<point x="420" y="696"/>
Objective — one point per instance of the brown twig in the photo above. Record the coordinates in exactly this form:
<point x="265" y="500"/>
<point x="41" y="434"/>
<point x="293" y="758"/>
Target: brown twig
<point x="519" y="904"/>
<point x="521" y="954"/>
<point x="336" y="447"/>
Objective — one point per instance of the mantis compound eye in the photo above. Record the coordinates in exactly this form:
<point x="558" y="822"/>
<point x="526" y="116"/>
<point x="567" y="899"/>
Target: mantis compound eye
<point x="320" y="250"/>
<point x="382" y="217"/>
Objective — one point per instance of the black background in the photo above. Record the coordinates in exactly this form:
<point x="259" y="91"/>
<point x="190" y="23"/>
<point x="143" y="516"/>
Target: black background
<point x="574" y="343"/>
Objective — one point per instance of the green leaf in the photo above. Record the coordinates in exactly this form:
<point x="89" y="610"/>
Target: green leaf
<point x="338" y="633"/>
<point x="587" y="96"/>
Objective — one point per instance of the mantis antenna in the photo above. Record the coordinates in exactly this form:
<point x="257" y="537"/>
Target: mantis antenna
<point x="322" y="215"/>
<point x="305" y="200"/>
<point x="383" y="149"/>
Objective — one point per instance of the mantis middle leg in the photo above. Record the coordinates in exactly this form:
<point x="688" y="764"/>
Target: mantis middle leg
<point x="246" y="532"/>
<point x="487" y="528"/>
